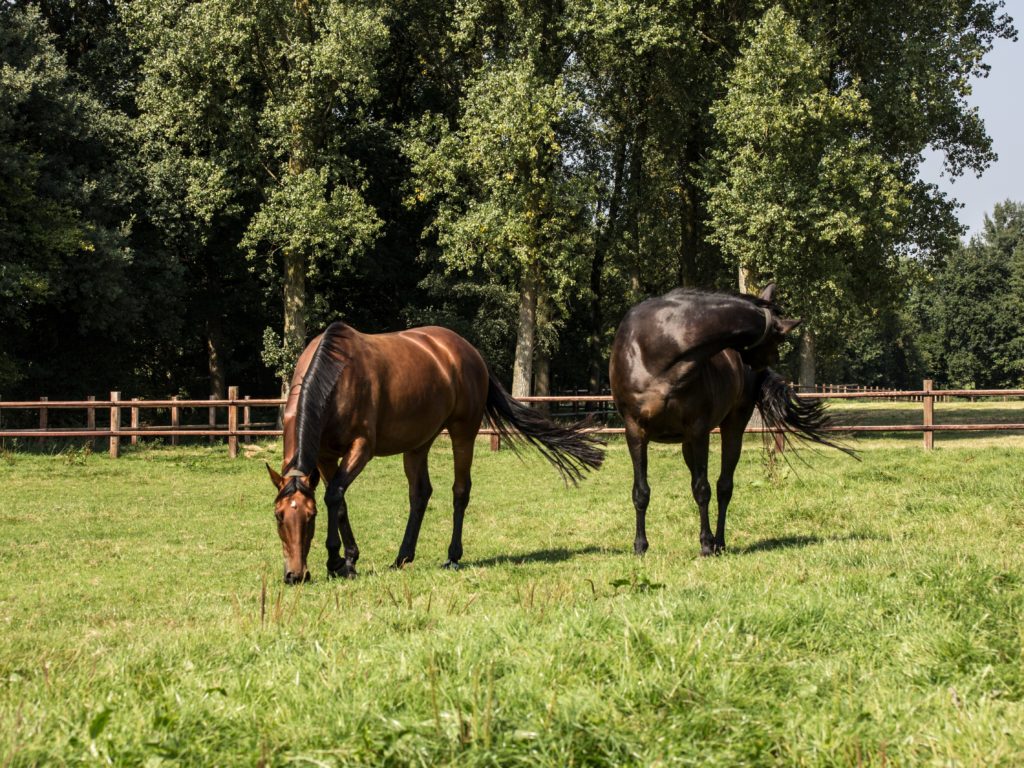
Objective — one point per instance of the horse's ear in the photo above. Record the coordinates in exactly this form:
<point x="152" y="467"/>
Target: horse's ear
<point x="785" y="326"/>
<point x="768" y="294"/>
<point x="275" y="477"/>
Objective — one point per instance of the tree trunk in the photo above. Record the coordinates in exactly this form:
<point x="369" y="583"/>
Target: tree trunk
<point x="604" y="241"/>
<point x="636" y="193"/>
<point x="690" y="256"/>
<point x="215" y="356"/>
<point x="596" y="322"/>
<point x="542" y="354"/>
<point x="744" y="282"/>
<point x="542" y="378"/>
<point x="294" y="306"/>
<point x="526" y="333"/>
<point x="808" y="372"/>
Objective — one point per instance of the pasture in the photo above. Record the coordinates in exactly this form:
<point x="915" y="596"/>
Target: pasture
<point x="865" y="614"/>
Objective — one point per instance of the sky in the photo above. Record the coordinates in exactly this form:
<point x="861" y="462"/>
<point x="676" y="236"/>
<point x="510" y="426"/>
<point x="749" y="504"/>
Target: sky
<point x="1000" y="100"/>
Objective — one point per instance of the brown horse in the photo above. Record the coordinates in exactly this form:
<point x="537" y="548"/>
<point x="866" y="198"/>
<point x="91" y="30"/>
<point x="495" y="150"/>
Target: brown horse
<point x="355" y="396"/>
<point x="689" y="361"/>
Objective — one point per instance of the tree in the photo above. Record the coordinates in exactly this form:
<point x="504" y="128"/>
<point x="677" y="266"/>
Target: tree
<point x="633" y="66"/>
<point x="802" y="193"/>
<point x="249" y="117"/>
<point x="70" y="282"/>
<point x="507" y="201"/>
<point x="972" y="312"/>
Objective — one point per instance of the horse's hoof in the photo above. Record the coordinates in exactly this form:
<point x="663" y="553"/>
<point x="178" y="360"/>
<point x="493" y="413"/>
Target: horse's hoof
<point x="706" y="550"/>
<point x="451" y="565"/>
<point x="400" y="565"/>
<point x="345" y="572"/>
<point x="640" y="548"/>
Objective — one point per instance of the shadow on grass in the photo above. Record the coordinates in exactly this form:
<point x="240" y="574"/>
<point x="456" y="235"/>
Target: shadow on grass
<point x="558" y="555"/>
<point x="790" y="542"/>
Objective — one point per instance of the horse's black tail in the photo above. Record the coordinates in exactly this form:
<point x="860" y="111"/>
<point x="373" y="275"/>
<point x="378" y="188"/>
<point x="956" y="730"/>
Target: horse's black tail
<point x="784" y="412"/>
<point x="571" y="450"/>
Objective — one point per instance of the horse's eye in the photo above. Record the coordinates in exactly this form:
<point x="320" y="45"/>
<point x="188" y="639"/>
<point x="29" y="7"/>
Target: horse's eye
<point x="279" y="516"/>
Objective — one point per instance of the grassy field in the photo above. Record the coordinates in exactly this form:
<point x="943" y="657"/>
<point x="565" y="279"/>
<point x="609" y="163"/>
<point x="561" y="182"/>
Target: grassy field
<point x="867" y="613"/>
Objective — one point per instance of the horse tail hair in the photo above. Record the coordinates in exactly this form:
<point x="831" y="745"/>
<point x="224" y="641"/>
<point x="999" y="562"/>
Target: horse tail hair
<point x="571" y="450"/>
<point x="784" y="412"/>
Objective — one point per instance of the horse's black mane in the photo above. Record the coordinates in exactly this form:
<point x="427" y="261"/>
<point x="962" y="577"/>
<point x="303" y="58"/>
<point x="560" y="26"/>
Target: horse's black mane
<point x="321" y="377"/>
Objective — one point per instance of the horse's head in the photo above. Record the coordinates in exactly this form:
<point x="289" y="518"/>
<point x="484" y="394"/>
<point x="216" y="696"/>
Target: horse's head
<point x="764" y="353"/>
<point x="295" y="512"/>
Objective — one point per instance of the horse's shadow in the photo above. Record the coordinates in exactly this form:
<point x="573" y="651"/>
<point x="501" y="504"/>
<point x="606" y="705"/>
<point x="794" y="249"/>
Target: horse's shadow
<point x="790" y="542"/>
<point x="556" y="555"/>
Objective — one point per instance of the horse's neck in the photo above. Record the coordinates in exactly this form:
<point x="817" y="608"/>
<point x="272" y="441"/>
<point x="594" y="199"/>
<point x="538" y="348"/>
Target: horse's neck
<point x="730" y="323"/>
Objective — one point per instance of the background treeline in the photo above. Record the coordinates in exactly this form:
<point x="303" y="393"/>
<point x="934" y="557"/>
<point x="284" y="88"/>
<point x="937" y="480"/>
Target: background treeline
<point x="189" y="190"/>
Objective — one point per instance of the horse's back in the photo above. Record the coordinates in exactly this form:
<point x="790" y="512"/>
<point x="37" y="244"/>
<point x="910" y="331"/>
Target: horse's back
<point x="417" y="381"/>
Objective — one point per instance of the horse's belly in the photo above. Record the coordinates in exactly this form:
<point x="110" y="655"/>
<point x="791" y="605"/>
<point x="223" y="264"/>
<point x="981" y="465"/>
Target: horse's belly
<point x="400" y="438"/>
<point x="406" y="426"/>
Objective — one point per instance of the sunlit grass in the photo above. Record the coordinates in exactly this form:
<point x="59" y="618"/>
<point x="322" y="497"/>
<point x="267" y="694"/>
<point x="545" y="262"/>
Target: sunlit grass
<point x="867" y="612"/>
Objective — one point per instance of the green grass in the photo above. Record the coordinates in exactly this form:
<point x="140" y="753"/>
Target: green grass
<point x="866" y="613"/>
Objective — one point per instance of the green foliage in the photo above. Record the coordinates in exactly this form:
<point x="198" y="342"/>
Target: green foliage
<point x="971" y="305"/>
<point x="170" y="170"/>
<point x="69" y="278"/>
<point x="508" y="203"/>
<point x="249" y="118"/>
<point x="803" y="196"/>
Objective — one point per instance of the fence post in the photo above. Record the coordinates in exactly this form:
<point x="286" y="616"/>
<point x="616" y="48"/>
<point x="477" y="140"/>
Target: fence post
<point x="232" y="423"/>
<point x="135" y="422"/>
<point x="44" y="413"/>
<point x="115" y="425"/>
<point x="929" y="416"/>
<point x="495" y="442"/>
<point x="175" y="420"/>
<point x="213" y="419"/>
<point x="780" y="441"/>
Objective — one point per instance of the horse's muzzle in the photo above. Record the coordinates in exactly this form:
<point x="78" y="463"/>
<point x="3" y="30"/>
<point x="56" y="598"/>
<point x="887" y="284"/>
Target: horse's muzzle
<point x="291" y="578"/>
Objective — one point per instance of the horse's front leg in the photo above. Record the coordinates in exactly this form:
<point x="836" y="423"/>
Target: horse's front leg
<point x="336" y="509"/>
<point x="337" y="513"/>
<point x="695" y="452"/>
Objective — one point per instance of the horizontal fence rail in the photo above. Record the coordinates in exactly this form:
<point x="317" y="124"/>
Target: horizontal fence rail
<point x="234" y="428"/>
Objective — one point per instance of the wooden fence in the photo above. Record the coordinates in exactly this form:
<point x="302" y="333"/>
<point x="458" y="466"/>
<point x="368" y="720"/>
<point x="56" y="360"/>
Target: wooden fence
<point x="238" y="423"/>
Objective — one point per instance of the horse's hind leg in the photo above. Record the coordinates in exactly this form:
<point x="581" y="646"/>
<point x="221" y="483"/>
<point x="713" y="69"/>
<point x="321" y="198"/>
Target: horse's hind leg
<point x="695" y="452"/>
<point x="732" y="446"/>
<point x="419" y="494"/>
<point x="637" y="444"/>
<point x="462" y="448"/>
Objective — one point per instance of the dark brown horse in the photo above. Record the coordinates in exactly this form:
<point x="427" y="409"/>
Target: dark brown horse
<point x="355" y="396"/>
<point x="689" y="361"/>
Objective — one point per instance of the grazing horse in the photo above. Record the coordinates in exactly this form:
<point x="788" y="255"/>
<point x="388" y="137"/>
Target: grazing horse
<point x="355" y="396"/>
<point x="689" y="361"/>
